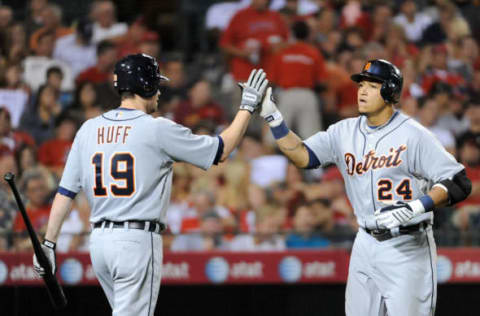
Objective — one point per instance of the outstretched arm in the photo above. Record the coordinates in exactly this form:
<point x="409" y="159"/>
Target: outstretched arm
<point x="232" y="135"/>
<point x="288" y="142"/>
<point x="252" y="94"/>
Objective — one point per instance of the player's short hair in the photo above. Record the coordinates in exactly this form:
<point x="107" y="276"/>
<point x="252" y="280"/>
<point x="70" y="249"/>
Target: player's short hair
<point x="126" y="95"/>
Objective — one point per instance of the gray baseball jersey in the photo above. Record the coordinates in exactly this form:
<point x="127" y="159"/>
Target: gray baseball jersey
<point x="123" y="162"/>
<point x="399" y="160"/>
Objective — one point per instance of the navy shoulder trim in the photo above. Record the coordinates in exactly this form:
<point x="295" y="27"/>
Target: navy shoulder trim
<point x="313" y="161"/>
<point x="66" y="192"/>
<point x="219" y="151"/>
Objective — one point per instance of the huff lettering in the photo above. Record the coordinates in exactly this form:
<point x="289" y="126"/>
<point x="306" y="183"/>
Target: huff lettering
<point x="392" y="159"/>
<point x="112" y="134"/>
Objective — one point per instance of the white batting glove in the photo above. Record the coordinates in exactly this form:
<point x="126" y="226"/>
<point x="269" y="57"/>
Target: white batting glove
<point x="48" y="248"/>
<point x="270" y="112"/>
<point x="253" y="90"/>
<point x="398" y="213"/>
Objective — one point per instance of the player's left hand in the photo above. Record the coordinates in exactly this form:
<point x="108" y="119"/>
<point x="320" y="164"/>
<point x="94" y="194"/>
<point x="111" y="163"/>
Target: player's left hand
<point x="399" y="213"/>
<point x="48" y="248"/>
<point x="253" y="90"/>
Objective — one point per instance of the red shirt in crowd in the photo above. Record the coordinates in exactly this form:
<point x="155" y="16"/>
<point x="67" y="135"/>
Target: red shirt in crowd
<point x="437" y="75"/>
<point x="94" y="75"/>
<point x="53" y="153"/>
<point x="250" y="27"/>
<point x="38" y="217"/>
<point x="186" y="114"/>
<point x="299" y="65"/>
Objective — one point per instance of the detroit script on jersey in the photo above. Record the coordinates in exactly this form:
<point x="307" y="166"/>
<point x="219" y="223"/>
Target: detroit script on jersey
<point x="373" y="161"/>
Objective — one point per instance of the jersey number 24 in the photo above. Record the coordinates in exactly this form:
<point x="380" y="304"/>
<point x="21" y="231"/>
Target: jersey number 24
<point x="385" y="187"/>
<point x="122" y="168"/>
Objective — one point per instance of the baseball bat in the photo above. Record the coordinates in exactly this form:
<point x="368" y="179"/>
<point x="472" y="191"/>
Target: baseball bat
<point x="55" y="292"/>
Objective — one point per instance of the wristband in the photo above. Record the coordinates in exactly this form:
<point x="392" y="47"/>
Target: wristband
<point x="280" y="131"/>
<point x="427" y="202"/>
<point x="49" y="244"/>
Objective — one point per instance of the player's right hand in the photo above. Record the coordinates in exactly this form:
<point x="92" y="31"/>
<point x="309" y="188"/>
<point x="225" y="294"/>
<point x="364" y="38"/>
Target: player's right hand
<point x="48" y="248"/>
<point x="270" y="112"/>
<point x="253" y="90"/>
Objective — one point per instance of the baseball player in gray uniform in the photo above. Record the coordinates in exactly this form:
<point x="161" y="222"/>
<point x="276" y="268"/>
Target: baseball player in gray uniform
<point x="395" y="173"/>
<point x="123" y="160"/>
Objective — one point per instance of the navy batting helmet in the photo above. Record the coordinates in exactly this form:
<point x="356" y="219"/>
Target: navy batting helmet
<point x="138" y="74"/>
<point x="386" y="73"/>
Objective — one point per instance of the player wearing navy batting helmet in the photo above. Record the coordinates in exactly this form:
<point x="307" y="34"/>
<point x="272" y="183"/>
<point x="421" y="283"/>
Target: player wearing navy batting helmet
<point x="396" y="172"/>
<point x="123" y="161"/>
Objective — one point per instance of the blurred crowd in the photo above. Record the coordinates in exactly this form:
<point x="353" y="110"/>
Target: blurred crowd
<point x="54" y="76"/>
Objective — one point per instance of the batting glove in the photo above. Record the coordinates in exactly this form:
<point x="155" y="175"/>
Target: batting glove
<point x="253" y="90"/>
<point x="48" y="248"/>
<point x="398" y="213"/>
<point x="270" y="112"/>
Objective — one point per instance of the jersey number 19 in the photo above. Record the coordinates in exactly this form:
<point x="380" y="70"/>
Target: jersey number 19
<point x="122" y="168"/>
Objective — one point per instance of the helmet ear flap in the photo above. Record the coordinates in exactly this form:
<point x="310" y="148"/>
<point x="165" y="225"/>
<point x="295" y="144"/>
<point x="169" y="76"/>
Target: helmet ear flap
<point x="388" y="90"/>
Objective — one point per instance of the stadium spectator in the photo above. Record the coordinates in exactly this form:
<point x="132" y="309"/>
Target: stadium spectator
<point x="438" y="71"/>
<point x="267" y="232"/>
<point x="252" y="36"/>
<point x="233" y="194"/>
<point x="150" y="44"/>
<point x="14" y="93"/>
<point x="266" y="168"/>
<point x="428" y="117"/>
<point x="77" y="49"/>
<point x="175" y="90"/>
<point x="381" y="21"/>
<point x="304" y="234"/>
<point x="398" y="49"/>
<point x="409" y="106"/>
<point x="38" y="209"/>
<point x="103" y="69"/>
<point x="55" y="80"/>
<point x="130" y="42"/>
<point x="26" y="161"/>
<point x="325" y="22"/>
<point x="105" y="25"/>
<point x="413" y="21"/>
<point x="202" y="202"/>
<point x="468" y="210"/>
<point x="34" y="19"/>
<point x="52" y="22"/>
<point x="6" y="17"/>
<point x="339" y="228"/>
<point x="53" y="152"/>
<point x="36" y="66"/>
<point x="210" y="236"/>
<point x="466" y="56"/>
<point x="199" y="106"/>
<point x="451" y="110"/>
<point x="85" y="104"/>
<point x="107" y="96"/>
<point x="39" y="119"/>
<point x="297" y="69"/>
<point x="11" y="140"/>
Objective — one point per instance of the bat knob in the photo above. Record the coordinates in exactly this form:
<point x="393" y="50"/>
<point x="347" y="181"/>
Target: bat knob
<point x="9" y="176"/>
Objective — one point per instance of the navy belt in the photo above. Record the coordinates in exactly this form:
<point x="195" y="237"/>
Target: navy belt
<point x="385" y="234"/>
<point x="150" y="226"/>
